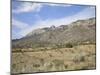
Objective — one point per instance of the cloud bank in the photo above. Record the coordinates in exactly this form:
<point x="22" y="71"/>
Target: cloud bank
<point x="27" y="7"/>
<point x="34" y="7"/>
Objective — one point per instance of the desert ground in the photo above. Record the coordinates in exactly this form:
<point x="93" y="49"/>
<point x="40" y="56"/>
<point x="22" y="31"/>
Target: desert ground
<point x="81" y="57"/>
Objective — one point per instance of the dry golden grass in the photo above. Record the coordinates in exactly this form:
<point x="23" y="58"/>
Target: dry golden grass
<point x="62" y="59"/>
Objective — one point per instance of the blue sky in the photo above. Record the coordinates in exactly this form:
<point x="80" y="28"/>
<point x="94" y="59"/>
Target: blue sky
<point x="28" y="16"/>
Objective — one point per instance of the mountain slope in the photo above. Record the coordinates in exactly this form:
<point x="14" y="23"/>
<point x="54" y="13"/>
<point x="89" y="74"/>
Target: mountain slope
<point x="76" y="32"/>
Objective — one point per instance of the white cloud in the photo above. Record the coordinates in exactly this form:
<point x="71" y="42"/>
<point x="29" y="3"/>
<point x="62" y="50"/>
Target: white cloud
<point x="19" y="24"/>
<point x="86" y="13"/>
<point x="62" y="5"/>
<point x="27" y="7"/>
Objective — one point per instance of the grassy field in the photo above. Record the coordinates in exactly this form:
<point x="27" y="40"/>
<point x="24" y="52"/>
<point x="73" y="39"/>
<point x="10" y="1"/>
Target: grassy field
<point x="81" y="57"/>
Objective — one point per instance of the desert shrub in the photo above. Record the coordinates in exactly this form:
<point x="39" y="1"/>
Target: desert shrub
<point x="41" y="49"/>
<point x="58" y="46"/>
<point x="42" y="61"/>
<point x="66" y="66"/>
<point x="82" y="58"/>
<point x="69" y="45"/>
<point x="50" y="55"/>
<point x="49" y="66"/>
<point x="36" y="65"/>
<point x="58" y="64"/>
<point x="79" y="58"/>
<point x="13" y="66"/>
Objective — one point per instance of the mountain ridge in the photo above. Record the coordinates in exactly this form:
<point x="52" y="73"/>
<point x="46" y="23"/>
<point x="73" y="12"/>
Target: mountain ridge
<point x="76" y="32"/>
